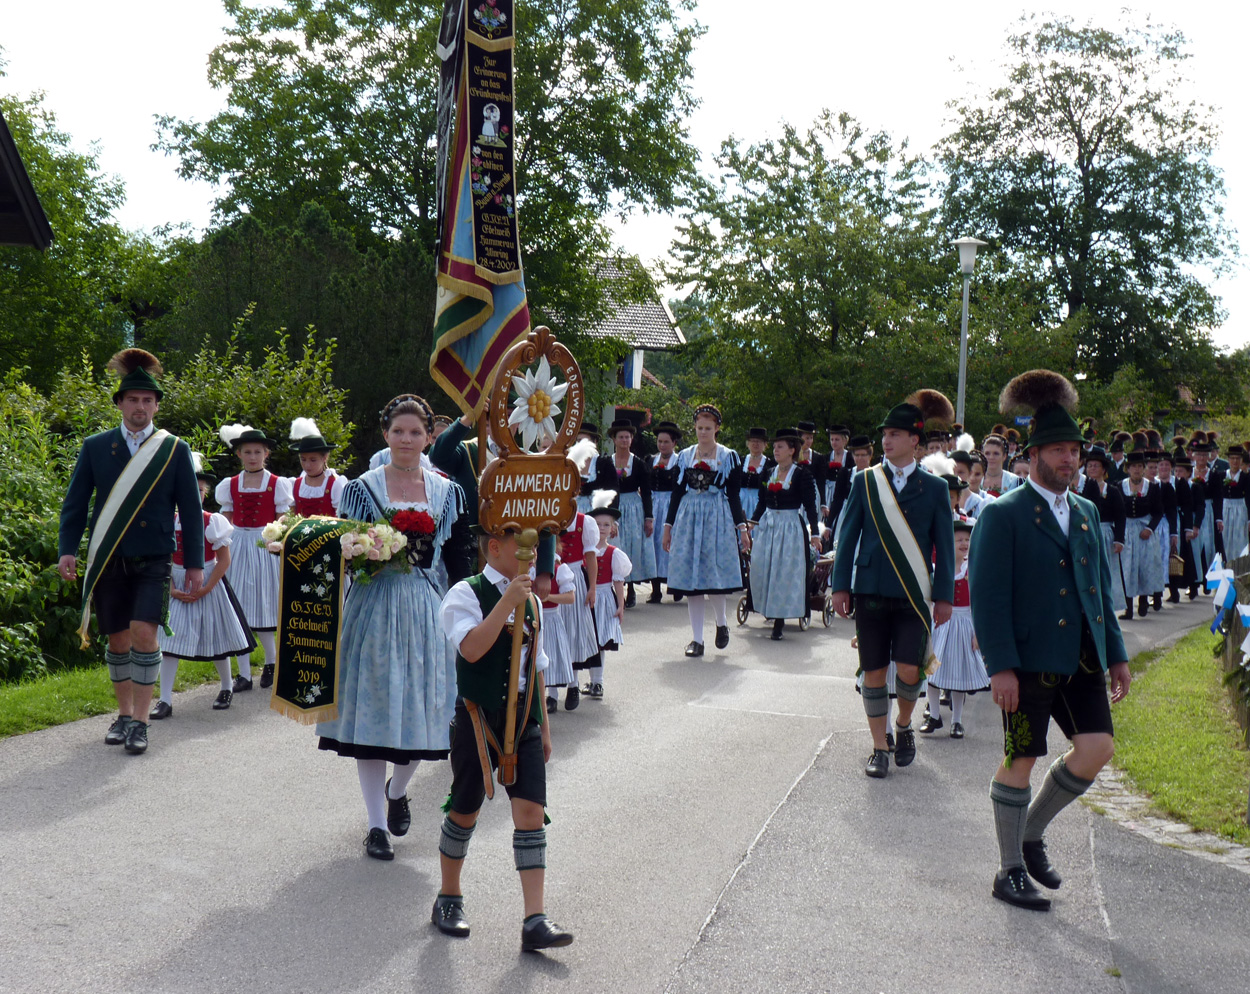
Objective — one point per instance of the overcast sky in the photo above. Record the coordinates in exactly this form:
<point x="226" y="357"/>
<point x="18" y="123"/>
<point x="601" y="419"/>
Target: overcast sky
<point x="107" y="68"/>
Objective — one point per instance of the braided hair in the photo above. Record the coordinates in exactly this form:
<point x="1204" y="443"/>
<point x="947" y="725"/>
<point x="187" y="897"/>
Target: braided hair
<point x="406" y="403"/>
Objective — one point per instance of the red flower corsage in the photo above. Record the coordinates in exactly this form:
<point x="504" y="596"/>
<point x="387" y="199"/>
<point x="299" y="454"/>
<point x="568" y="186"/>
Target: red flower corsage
<point x="413" y="522"/>
<point x="702" y="465"/>
<point x="753" y="469"/>
<point x="775" y="487"/>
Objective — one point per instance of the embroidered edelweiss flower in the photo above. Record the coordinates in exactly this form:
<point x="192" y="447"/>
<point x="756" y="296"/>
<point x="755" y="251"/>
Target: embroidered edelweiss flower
<point x="306" y="588"/>
<point x="534" y="410"/>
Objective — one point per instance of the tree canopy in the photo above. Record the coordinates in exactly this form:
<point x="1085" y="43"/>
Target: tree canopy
<point x="1088" y="167"/>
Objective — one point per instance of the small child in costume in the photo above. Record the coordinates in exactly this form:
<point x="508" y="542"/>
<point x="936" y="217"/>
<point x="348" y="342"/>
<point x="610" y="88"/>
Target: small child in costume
<point x="613" y="568"/>
<point x="962" y="670"/>
<point x="476" y="615"/>
<point x="556" y="644"/>
<point x="208" y="625"/>
<point x="249" y="501"/>
<point x="318" y="489"/>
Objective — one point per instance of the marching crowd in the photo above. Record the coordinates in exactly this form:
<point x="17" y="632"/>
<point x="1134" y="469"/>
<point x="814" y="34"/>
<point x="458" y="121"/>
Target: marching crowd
<point x="425" y="646"/>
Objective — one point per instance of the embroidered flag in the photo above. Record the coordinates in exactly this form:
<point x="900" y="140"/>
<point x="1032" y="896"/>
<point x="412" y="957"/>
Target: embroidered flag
<point x="481" y="309"/>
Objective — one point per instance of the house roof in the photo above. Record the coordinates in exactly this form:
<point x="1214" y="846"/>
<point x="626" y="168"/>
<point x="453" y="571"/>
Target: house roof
<point x="648" y="324"/>
<point x="22" y="220"/>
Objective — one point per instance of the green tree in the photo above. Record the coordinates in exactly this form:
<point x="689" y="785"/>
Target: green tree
<point x="1089" y="169"/>
<point x="334" y="101"/>
<point x="72" y="298"/>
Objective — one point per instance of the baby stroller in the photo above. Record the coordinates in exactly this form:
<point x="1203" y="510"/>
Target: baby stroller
<point x="745" y="604"/>
<point x="819" y="596"/>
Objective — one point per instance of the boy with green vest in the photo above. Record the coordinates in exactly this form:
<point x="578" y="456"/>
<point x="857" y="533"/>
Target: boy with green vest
<point x="477" y="616"/>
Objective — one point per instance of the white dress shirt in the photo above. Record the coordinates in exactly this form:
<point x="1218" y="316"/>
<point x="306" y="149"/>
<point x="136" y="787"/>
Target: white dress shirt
<point x="1058" y="504"/>
<point x="136" y="438"/>
<point x="898" y="476"/>
<point x="461" y="613"/>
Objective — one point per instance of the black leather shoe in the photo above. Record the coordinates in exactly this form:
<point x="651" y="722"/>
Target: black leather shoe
<point x="241" y="684"/>
<point x="378" y="844"/>
<point x="223" y="700"/>
<point x="137" y="738"/>
<point x="116" y="734"/>
<point x="889" y="741"/>
<point x="931" y="724"/>
<point x="540" y="932"/>
<point x="957" y="731"/>
<point x="1038" y="864"/>
<point x="398" y="814"/>
<point x="266" y="676"/>
<point x="1175" y="596"/>
<point x="655" y="598"/>
<point x="778" y="625"/>
<point x="162" y="710"/>
<point x="677" y="597"/>
<point x="1128" y="613"/>
<point x="1015" y="887"/>
<point x="1193" y="593"/>
<point x="905" y="747"/>
<point x="694" y="649"/>
<point x="722" y="636"/>
<point x="572" y="697"/>
<point x="553" y="704"/>
<point x="595" y="690"/>
<point x="1143" y="605"/>
<point x="878" y="764"/>
<point x="1157" y="602"/>
<point x="448" y="915"/>
<point x="630" y="596"/>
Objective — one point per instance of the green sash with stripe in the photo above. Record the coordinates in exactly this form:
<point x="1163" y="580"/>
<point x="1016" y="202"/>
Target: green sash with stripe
<point x="910" y="565"/>
<point x="128" y="494"/>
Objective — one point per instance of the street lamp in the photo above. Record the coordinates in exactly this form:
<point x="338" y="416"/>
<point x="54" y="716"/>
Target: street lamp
<point x="967" y="259"/>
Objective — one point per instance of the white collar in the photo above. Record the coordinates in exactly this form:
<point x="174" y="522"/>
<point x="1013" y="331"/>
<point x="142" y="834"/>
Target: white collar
<point x="906" y="471"/>
<point x="494" y="576"/>
<point x="1046" y="492"/>
<point x="143" y="433"/>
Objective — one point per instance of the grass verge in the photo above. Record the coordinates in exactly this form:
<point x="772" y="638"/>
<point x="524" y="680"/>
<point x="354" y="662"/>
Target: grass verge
<point x="73" y="694"/>
<point x="1178" y="741"/>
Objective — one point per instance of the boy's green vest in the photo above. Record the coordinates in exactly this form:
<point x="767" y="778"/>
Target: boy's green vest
<point x="485" y="682"/>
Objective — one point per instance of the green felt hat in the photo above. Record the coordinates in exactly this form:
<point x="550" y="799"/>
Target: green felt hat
<point x="1052" y="399"/>
<point x="921" y="408"/>
<point x="138" y="371"/>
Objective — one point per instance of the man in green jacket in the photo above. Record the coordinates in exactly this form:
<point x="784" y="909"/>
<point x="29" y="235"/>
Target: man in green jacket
<point x="898" y="538"/>
<point x="1040" y="586"/>
<point x="139" y="476"/>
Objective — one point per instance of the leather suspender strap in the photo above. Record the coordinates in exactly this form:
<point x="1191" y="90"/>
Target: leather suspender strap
<point x="482" y="733"/>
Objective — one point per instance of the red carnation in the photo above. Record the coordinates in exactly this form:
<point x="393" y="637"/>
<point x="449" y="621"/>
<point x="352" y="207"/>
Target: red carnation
<point x="753" y="469"/>
<point x="775" y="487"/>
<point x="702" y="465"/>
<point x="413" y="522"/>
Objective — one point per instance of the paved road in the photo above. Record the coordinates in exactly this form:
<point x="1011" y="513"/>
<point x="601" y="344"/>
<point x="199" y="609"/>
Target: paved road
<point x="712" y="831"/>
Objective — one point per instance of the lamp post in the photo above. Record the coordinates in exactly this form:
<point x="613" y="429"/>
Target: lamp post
<point x="967" y="259"/>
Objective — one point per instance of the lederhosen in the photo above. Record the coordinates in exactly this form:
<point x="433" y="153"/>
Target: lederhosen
<point x="477" y="730"/>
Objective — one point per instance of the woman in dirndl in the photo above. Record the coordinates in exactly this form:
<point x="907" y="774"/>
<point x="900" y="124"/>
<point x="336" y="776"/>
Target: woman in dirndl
<point x="663" y="479"/>
<point x="1143" y="510"/>
<point x="787" y="533"/>
<point x="596" y="472"/>
<point x="397" y="678"/>
<point x="637" y="523"/>
<point x="1236" y="490"/>
<point x="1108" y="500"/>
<point x="755" y="470"/>
<point x="699" y="534"/>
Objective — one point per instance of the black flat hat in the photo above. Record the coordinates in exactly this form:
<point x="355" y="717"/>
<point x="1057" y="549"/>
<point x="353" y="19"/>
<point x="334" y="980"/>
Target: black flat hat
<point x="1100" y="455"/>
<point x="589" y="428"/>
<point x="620" y="424"/>
<point x="667" y="427"/>
<point x="838" y="430"/>
<point x="760" y="433"/>
<point x="860" y="442"/>
<point x="252" y="435"/>
<point x="311" y="443"/>
<point x="791" y="435"/>
<point x="807" y="426"/>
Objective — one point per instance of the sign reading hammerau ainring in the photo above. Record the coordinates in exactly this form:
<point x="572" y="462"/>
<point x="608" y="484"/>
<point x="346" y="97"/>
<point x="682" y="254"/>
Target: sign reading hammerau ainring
<point x="524" y="489"/>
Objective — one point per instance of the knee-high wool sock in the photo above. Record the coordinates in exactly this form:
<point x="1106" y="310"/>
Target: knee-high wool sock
<point x="718" y="608"/>
<point x="1060" y="788"/>
<point x="267" y="642"/>
<point x="1011" y="808"/>
<point x="223" y="671"/>
<point x="372" y="774"/>
<point x="695" y="604"/>
<point x="935" y="709"/>
<point x="169" y="670"/>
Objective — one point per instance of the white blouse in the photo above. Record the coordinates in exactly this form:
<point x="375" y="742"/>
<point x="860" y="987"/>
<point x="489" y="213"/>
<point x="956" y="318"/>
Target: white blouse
<point x="283" y="494"/>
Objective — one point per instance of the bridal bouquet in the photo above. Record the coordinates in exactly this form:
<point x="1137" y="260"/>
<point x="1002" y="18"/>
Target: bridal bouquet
<point x="369" y="547"/>
<point x="275" y="533"/>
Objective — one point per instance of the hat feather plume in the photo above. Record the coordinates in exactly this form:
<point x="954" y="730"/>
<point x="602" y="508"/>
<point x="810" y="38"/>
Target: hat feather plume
<point x="965" y="443"/>
<point x="228" y="433"/>
<point x="582" y="453"/>
<point x="601" y="499"/>
<point x="1036" y="389"/>
<point x="304" y="427"/>
<point x="939" y="464"/>
<point x="127" y="361"/>
<point x="934" y="406"/>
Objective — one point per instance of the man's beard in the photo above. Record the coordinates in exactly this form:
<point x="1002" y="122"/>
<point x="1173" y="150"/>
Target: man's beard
<point x="1052" y="479"/>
